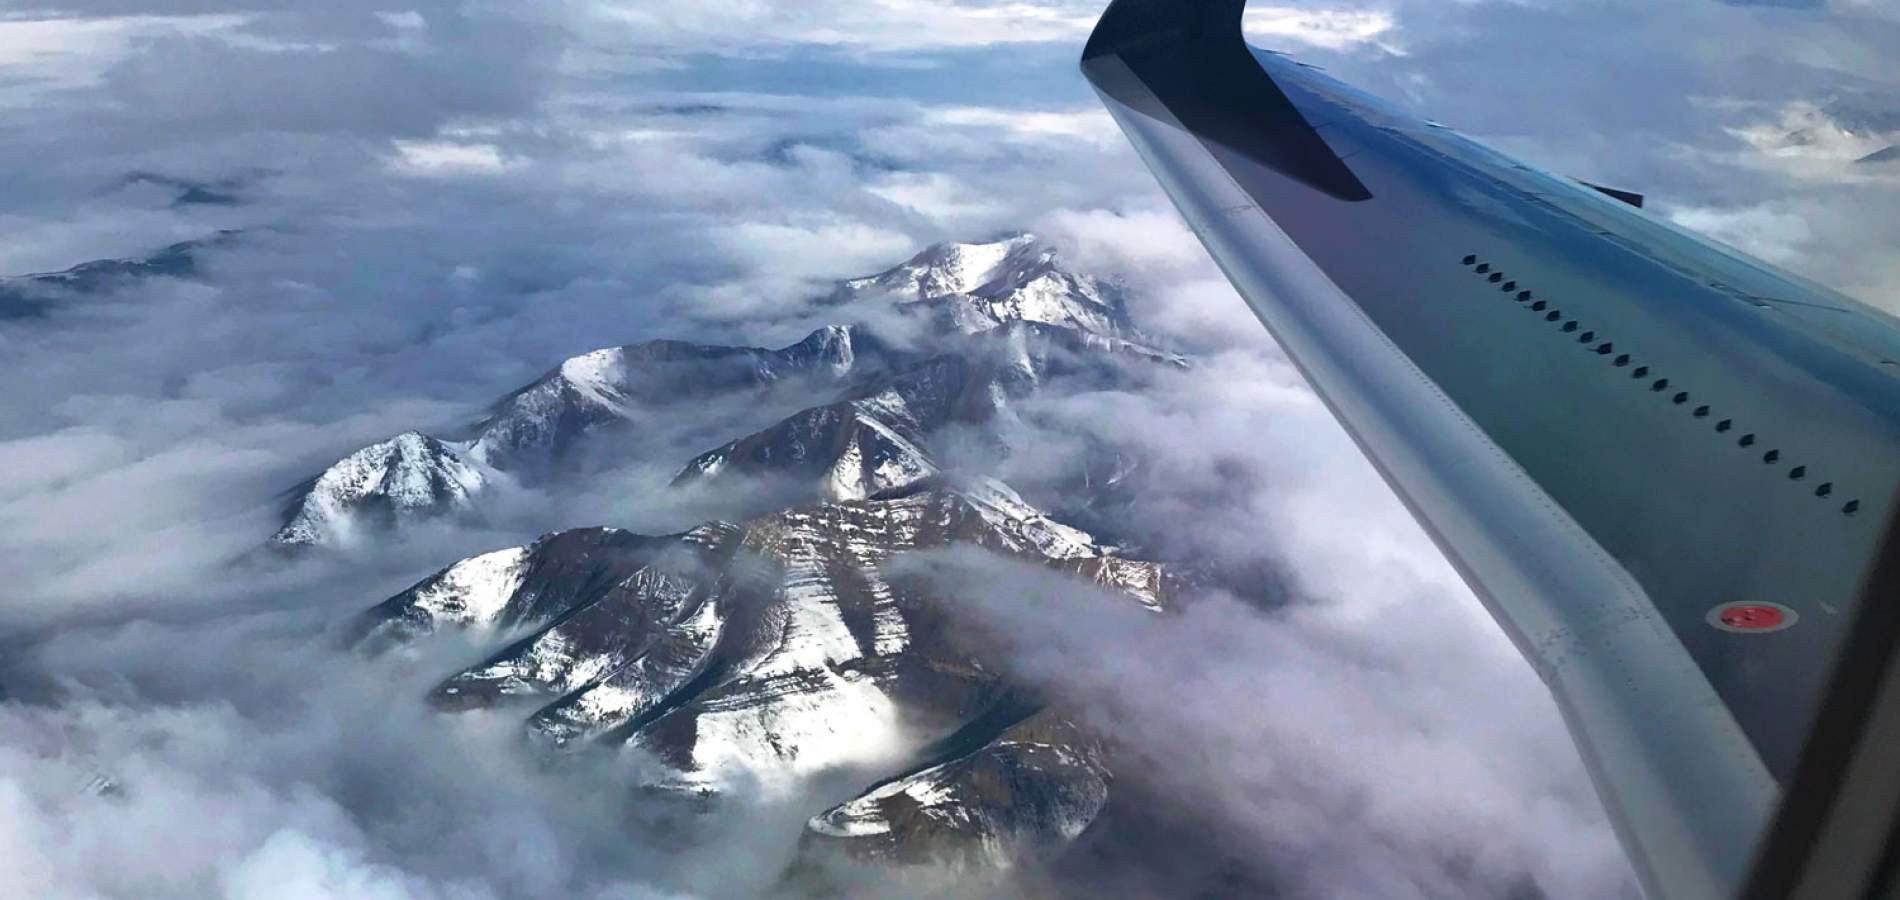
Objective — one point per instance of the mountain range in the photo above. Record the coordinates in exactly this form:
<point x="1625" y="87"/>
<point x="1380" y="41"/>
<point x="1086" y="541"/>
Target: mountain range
<point x="1013" y="318"/>
<point x="760" y="653"/>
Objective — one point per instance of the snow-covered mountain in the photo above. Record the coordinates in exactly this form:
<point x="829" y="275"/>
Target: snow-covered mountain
<point x="976" y="287"/>
<point x="529" y="433"/>
<point x="1019" y="319"/>
<point x="755" y="655"/>
<point x="518" y="588"/>
<point x="1840" y="130"/>
<point x="789" y="645"/>
<point x="1022" y="794"/>
<point x="379" y="486"/>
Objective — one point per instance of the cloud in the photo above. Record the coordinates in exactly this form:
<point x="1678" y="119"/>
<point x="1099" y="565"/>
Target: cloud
<point x="1773" y="235"/>
<point x="322" y="775"/>
<point x="880" y="26"/>
<point x="1340" y="737"/>
<point x="1332" y="29"/>
<point x="446" y="158"/>
<point x="44" y="54"/>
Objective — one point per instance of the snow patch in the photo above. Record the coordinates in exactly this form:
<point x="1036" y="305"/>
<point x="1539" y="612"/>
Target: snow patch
<point x="598" y="376"/>
<point x="474" y="591"/>
<point x="844" y="719"/>
<point x="1014" y="517"/>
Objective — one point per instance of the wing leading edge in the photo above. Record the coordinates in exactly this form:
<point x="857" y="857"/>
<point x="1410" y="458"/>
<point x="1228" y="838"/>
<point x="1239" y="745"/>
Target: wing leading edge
<point x="1668" y="469"/>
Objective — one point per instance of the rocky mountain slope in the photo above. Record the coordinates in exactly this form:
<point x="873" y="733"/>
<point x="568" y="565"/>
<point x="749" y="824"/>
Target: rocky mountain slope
<point x="1841" y="130"/>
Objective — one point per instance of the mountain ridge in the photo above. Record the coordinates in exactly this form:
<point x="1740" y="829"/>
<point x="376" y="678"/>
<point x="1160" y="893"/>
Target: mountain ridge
<point x="528" y="431"/>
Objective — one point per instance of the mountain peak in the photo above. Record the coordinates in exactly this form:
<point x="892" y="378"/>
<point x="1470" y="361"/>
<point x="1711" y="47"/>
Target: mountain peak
<point x="1020" y="278"/>
<point x="408" y="476"/>
<point x="956" y="268"/>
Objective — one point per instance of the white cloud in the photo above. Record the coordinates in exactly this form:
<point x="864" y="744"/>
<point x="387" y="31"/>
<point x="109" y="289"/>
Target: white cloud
<point x="75" y="49"/>
<point x="1331" y="29"/>
<point x="1889" y="9"/>
<point x="1093" y="125"/>
<point x="943" y="198"/>
<point x="447" y="158"/>
<point x="811" y="250"/>
<point x="292" y="866"/>
<point x="879" y="26"/>
<point x="1776" y="235"/>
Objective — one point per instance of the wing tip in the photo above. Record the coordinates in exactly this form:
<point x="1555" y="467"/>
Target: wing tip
<point x="1188" y="60"/>
<point x="1129" y="23"/>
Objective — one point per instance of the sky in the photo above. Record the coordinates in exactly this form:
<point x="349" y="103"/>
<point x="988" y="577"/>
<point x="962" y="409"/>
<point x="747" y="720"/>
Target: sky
<point x="438" y="201"/>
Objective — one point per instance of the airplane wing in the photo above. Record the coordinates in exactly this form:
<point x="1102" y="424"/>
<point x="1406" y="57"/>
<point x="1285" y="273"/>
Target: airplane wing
<point x="1669" y="470"/>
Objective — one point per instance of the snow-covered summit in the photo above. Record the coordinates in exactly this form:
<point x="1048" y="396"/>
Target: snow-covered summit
<point x="952" y="268"/>
<point x="1020" y="278"/>
<point x="408" y="476"/>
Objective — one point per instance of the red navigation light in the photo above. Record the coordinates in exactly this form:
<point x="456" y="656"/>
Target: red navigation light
<point x="1755" y="618"/>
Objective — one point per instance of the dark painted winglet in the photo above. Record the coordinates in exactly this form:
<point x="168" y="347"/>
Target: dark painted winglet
<point x="1187" y="59"/>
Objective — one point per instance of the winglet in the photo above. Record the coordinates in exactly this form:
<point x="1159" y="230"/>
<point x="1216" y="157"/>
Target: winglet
<point x="1131" y="22"/>
<point x="1190" y="58"/>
